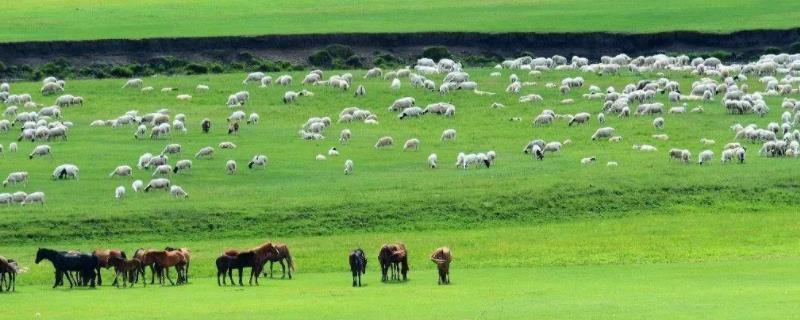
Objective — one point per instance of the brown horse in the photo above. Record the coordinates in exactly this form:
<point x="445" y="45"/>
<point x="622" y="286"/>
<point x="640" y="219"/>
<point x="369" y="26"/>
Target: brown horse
<point x="102" y="258"/>
<point x="267" y="251"/>
<point x="283" y="254"/>
<point x="8" y="266"/>
<point x="187" y="254"/>
<point x="394" y="257"/>
<point x="232" y="259"/>
<point x="163" y="260"/>
<point x="147" y="261"/>
<point x="442" y="258"/>
<point x="128" y="269"/>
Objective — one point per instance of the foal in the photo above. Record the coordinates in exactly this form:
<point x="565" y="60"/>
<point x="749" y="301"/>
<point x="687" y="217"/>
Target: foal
<point x="128" y="269"/>
<point x="358" y="265"/>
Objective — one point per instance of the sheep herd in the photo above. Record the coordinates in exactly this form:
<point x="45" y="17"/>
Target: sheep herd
<point x="714" y="81"/>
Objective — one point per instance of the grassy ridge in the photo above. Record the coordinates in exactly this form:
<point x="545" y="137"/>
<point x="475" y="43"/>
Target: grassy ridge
<point x="83" y="19"/>
<point x="391" y="190"/>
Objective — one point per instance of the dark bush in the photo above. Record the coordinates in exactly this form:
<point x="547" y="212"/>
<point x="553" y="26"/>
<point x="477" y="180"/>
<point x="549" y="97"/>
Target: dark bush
<point x="795" y="47"/>
<point x="121" y="72"/>
<point x="386" y="60"/>
<point x="720" y="54"/>
<point x="321" y="58"/>
<point x="196" y="68"/>
<point x="436" y="53"/>
<point x="246" y="56"/>
<point x="216" y="68"/>
<point x="339" y="51"/>
<point x="772" y="50"/>
<point x="353" y="62"/>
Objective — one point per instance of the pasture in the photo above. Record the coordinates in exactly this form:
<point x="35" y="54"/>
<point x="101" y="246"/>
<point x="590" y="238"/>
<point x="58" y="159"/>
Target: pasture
<point x="552" y="238"/>
<point x="728" y="264"/>
<point x="117" y="19"/>
<point x="390" y="189"/>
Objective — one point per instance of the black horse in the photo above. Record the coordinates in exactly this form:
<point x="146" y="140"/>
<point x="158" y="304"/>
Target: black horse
<point x="358" y="265"/>
<point x="226" y="264"/>
<point x="8" y="267"/>
<point x="64" y="262"/>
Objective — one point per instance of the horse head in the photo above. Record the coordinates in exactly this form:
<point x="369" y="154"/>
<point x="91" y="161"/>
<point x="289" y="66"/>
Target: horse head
<point x="41" y="254"/>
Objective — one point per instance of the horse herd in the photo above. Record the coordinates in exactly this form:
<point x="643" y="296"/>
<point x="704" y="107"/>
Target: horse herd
<point x="83" y="269"/>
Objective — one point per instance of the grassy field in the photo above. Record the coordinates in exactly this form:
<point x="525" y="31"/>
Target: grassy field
<point x="548" y="238"/>
<point x="29" y="20"/>
<point x="724" y="265"/>
<point x="391" y="190"/>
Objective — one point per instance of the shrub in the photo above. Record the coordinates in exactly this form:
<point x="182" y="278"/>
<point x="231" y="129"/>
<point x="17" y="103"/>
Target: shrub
<point x="436" y="53"/>
<point x="353" y="62"/>
<point x="216" y="68"/>
<point x="321" y="58"/>
<point x="795" y="47"/>
<point x="339" y="51"/>
<point x="772" y="50"/>
<point x="121" y="72"/>
<point x="386" y="60"/>
<point x="196" y="68"/>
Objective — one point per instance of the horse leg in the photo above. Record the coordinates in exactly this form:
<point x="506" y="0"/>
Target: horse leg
<point x="152" y="274"/>
<point x="240" y="276"/>
<point x="283" y="270"/>
<point x="270" y="269"/>
<point x="99" y="277"/>
<point x="116" y="275"/>
<point x="166" y="270"/>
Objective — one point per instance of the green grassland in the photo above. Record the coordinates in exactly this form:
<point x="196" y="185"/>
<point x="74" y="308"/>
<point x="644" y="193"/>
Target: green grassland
<point x="391" y="190"/>
<point x="552" y="239"/>
<point x="29" y="20"/>
<point x="677" y="264"/>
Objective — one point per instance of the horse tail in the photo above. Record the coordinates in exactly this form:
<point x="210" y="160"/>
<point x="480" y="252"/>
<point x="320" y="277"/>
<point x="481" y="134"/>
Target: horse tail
<point x="289" y="260"/>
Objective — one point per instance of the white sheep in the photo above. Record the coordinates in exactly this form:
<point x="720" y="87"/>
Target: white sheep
<point x="258" y="160"/>
<point x="662" y="137"/>
<point x="449" y="135"/>
<point x="158" y="183"/>
<point x="65" y="171"/>
<point x="411" y="144"/>
<point x="333" y="152"/>
<point x="658" y="123"/>
<point x="173" y="148"/>
<point x="384" y="142"/>
<point x="253" y="118"/>
<point x="612" y="164"/>
<point x="707" y="142"/>
<point x="605" y="132"/>
<point x="601" y="118"/>
<point x="32" y="197"/>
<point x="207" y="152"/>
<point x="705" y="157"/>
<point x="137" y="185"/>
<point x="230" y="166"/>
<point x="680" y="154"/>
<point x="178" y="192"/>
<point x="348" y="167"/>
<point x="227" y="145"/>
<point x="16" y="177"/>
<point x="320" y="157"/>
<point x="344" y="136"/>
<point x="433" y="161"/>
<point x="121" y="171"/>
<point x="163" y="169"/>
<point x="644" y="147"/>
<point x="588" y="160"/>
<point x="402" y="103"/>
<point x="133" y="83"/>
<point x="40" y="151"/>
<point x="253" y="77"/>
<point x="119" y="192"/>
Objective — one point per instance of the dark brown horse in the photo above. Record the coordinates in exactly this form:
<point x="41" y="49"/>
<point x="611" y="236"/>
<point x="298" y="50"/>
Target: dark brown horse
<point x="102" y="261"/>
<point x="393" y="257"/>
<point x="128" y="269"/>
<point x="358" y="265"/>
<point x="147" y="261"/>
<point x="8" y="267"/>
<point x="442" y="258"/>
<point x="283" y="254"/>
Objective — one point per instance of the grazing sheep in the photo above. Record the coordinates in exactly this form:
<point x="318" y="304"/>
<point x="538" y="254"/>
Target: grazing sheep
<point x="65" y="171"/>
<point x="253" y="118"/>
<point x="205" y="125"/>
<point x="320" y="157"/>
<point x="705" y="157"/>
<point x="662" y="137"/>
<point x="258" y="160"/>
<point x="580" y="118"/>
<point x="707" y="142"/>
<point x="178" y="192"/>
<point x="348" y="167"/>
<point x="16" y="177"/>
<point x="644" y="147"/>
<point x="612" y="164"/>
<point x="412" y="112"/>
<point x="19" y="196"/>
<point x="184" y="97"/>
<point x="37" y="196"/>
<point x="601" y="118"/>
<point x="384" y="142"/>
<point x="119" y="192"/>
<point x="227" y="145"/>
<point x="658" y="123"/>
<point x="605" y="132"/>
<point x="333" y="152"/>
<point x="554" y="146"/>
<point x="233" y="128"/>
<point x="402" y="103"/>
<point x="373" y="73"/>
<point x="158" y="183"/>
<point x="182" y="165"/>
<point x="361" y="91"/>
<point x="163" y="169"/>
<point x="201" y="88"/>
<point x="615" y="139"/>
<point x="156" y="161"/>
<point x="40" y="151"/>
<point x="230" y="166"/>
<point x="137" y="185"/>
<point x="121" y="171"/>
<point x="433" y="161"/>
<point x="411" y="144"/>
<point x="172" y="149"/>
<point x="253" y="77"/>
<point x="589" y="160"/>
<point x="207" y="152"/>
<point x="133" y="83"/>
<point x="344" y="136"/>
<point x="449" y="135"/>
<point x="680" y="154"/>
<point x="12" y="147"/>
